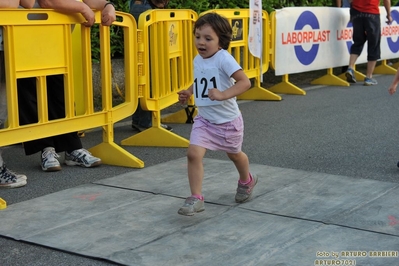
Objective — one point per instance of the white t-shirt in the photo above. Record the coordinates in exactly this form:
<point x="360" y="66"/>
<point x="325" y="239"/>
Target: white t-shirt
<point x="226" y="65"/>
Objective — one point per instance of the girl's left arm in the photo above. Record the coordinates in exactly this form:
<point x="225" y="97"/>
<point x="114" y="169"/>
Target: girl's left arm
<point x="242" y="85"/>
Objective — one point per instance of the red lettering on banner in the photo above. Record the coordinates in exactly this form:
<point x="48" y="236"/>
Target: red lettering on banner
<point x="299" y="37"/>
<point x="345" y="34"/>
<point x="390" y="30"/>
<point x="288" y="39"/>
<point x="310" y="36"/>
<point x="294" y="38"/>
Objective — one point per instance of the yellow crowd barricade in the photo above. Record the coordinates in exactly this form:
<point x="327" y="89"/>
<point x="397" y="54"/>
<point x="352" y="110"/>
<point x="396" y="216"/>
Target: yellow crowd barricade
<point x="38" y="43"/>
<point x="166" y="55"/>
<point x="252" y="66"/>
<point x="285" y="86"/>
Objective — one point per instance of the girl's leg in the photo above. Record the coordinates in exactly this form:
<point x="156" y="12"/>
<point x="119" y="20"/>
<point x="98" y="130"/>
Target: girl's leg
<point x="194" y="203"/>
<point x="195" y="154"/>
<point x="247" y="182"/>
<point x="241" y="162"/>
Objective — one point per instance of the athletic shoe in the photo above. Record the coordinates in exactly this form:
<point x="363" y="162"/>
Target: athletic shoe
<point x="81" y="157"/>
<point x="168" y="128"/>
<point x="370" y="82"/>
<point x="50" y="161"/>
<point x="191" y="206"/>
<point x="9" y="179"/>
<point x="141" y="129"/>
<point x="350" y="75"/>
<point x="244" y="192"/>
<point x="138" y="127"/>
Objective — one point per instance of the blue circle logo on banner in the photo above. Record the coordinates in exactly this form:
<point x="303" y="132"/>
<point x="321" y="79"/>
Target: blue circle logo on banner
<point x="306" y="57"/>
<point x="394" y="46"/>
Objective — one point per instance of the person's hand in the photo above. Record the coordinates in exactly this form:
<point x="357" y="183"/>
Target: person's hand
<point x="215" y="94"/>
<point x="184" y="96"/>
<point x="88" y="14"/>
<point x="392" y="90"/>
<point x="108" y="15"/>
<point x="389" y="19"/>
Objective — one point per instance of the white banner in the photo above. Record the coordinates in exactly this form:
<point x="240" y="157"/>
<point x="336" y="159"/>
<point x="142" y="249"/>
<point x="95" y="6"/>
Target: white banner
<point x="315" y="38"/>
<point x="255" y="28"/>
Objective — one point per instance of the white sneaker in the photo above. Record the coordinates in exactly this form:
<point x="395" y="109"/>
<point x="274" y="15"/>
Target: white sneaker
<point x="9" y="179"/>
<point x="167" y="127"/>
<point x="81" y="157"/>
<point x="49" y="160"/>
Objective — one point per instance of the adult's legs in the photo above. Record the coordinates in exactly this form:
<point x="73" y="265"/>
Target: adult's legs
<point x="3" y="99"/>
<point x="359" y="38"/>
<point x="373" y="29"/>
<point x="142" y="118"/>
<point x="28" y="114"/>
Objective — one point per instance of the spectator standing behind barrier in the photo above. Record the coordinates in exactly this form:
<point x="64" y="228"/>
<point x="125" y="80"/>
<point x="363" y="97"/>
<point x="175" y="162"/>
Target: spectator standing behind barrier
<point x="216" y="127"/>
<point x="27" y="101"/>
<point x="365" y="17"/>
<point x="142" y="119"/>
<point x="343" y="3"/>
<point x="8" y="179"/>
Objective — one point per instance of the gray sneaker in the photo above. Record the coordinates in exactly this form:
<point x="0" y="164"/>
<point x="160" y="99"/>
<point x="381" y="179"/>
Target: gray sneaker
<point x="350" y="75"/>
<point x="244" y="192"/>
<point x="50" y="161"/>
<point x="81" y="157"/>
<point x="168" y="128"/>
<point x="369" y="82"/>
<point x="191" y="206"/>
<point x="9" y="179"/>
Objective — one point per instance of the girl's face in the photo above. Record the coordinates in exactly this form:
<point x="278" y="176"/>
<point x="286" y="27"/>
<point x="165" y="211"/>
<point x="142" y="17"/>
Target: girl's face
<point x="206" y="41"/>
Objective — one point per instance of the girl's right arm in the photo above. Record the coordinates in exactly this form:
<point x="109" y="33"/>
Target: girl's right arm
<point x="184" y="95"/>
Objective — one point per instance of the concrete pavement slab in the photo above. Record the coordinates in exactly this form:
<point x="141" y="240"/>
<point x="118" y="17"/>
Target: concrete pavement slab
<point x="296" y="218"/>
<point x="220" y="179"/>
<point x="321" y="197"/>
<point x="379" y="214"/>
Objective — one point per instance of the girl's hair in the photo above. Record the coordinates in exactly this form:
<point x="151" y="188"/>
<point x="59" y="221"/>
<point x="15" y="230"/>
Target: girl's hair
<point x="219" y="24"/>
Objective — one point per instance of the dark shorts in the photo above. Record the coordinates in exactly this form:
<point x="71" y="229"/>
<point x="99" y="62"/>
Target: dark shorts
<point x="366" y="27"/>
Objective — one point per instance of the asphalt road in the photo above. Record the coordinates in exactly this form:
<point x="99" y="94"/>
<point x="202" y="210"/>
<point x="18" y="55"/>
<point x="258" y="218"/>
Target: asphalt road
<point x="347" y="131"/>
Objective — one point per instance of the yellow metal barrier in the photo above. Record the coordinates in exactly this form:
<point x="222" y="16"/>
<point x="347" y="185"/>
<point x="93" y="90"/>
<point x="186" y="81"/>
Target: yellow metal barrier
<point x="284" y="87"/>
<point x="239" y="19"/>
<point x="38" y="43"/>
<point x="166" y="55"/>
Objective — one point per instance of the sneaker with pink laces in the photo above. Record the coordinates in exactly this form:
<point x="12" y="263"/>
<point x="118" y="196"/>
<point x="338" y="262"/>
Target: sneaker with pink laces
<point x="244" y="192"/>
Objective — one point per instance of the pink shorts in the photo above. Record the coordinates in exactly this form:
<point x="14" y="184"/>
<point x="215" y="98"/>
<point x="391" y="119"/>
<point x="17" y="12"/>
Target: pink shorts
<point x="226" y="137"/>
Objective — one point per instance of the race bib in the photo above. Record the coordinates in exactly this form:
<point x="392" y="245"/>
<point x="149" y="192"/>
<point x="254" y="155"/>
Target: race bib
<point x="204" y="80"/>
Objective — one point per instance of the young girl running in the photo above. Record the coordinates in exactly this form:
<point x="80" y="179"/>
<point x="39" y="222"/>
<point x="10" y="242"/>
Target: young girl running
<point x="219" y="124"/>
